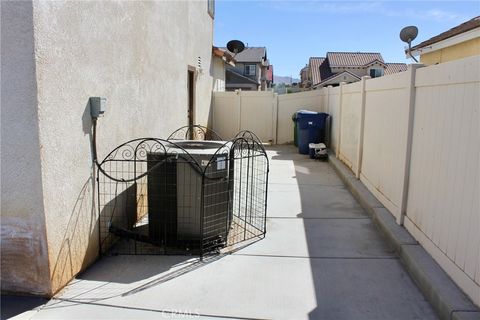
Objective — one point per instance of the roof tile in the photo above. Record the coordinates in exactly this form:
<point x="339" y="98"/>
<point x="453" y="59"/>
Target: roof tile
<point x="395" y="68"/>
<point x="352" y="59"/>
<point x="315" y="63"/>
<point x="250" y="54"/>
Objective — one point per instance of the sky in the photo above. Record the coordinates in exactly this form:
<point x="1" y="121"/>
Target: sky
<point x="293" y="31"/>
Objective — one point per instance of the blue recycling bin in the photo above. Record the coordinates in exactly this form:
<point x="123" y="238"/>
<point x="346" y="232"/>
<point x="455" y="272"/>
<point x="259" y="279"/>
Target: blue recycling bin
<point x="310" y="129"/>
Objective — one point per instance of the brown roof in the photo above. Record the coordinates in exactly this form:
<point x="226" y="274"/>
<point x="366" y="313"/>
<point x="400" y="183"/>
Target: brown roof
<point x="352" y="59"/>
<point x="395" y="68"/>
<point x="250" y="54"/>
<point x="223" y="54"/>
<point x="315" y="63"/>
<point x="218" y="52"/>
<point x="464" y="27"/>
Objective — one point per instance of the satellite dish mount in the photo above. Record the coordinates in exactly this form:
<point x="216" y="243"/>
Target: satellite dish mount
<point x="408" y="34"/>
<point x="235" y="46"/>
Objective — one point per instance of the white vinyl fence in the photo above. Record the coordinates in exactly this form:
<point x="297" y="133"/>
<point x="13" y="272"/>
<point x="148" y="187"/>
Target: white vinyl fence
<point x="331" y="98"/>
<point x="443" y="208"/>
<point x="412" y="138"/>
<point x="385" y="133"/>
<point x="265" y="113"/>
<point x="350" y="118"/>
<point x="289" y="104"/>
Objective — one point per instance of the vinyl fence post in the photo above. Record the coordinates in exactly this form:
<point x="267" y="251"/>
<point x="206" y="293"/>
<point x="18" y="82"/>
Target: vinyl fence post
<point x="361" y="128"/>
<point x="339" y="133"/>
<point x="327" y="107"/>
<point x="408" y="152"/>
<point x="275" y="118"/>
<point x="327" y="110"/>
<point x="239" y="107"/>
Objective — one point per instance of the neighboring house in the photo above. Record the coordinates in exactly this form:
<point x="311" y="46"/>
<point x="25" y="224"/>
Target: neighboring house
<point x="251" y="71"/>
<point x="459" y="42"/>
<point x="395" y="68"/>
<point x="155" y="72"/>
<point x="347" y="67"/>
<point x="305" y="82"/>
<point x="220" y="60"/>
<point x="270" y="76"/>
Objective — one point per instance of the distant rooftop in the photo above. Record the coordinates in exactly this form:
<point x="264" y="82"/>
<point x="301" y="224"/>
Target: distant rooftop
<point x="315" y="63"/>
<point x="395" y="68"/>
<point x="352" y="59"/>
<point x="251" y="54"/>
<point x="321" y="68"/>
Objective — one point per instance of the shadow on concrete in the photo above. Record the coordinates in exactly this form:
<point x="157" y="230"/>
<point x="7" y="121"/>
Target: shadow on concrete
<point x="355" y="273"/>
<point x="12" y="306"/>
<point x="125" y="275"/>
<point x="127" y="269"/>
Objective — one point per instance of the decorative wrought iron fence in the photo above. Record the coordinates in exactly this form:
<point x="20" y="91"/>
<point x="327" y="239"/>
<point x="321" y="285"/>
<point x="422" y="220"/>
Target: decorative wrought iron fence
<point x="195" y="132"/>
<point x="181" y="196"/>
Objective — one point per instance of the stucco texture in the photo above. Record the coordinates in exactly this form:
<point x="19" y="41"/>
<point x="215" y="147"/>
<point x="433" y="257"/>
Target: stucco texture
<point x="135" y="54"/>
<point x="218" y="73"/>
<point x="459" y="51"/>
<point x="23" y="240"/>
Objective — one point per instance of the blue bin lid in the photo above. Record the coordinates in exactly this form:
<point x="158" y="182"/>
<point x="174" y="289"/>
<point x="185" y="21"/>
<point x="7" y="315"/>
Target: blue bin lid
<point x="311" y="114"/>
<point x="306" y="112"/>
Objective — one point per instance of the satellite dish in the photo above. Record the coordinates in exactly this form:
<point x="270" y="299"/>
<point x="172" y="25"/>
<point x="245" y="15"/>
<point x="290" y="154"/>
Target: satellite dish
<point x="235" y="46"/>
<point x="408" y="34"/>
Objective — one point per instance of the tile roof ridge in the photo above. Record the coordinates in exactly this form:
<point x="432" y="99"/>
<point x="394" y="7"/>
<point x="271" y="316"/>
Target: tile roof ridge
<point x="353" y="52"/>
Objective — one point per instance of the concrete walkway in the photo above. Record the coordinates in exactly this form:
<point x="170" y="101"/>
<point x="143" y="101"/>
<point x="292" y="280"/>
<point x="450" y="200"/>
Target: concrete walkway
<point x="322" y="258"/>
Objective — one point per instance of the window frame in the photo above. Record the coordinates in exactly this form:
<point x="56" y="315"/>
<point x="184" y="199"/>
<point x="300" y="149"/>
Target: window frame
<point x="380" y="71"/>
<point x="248" y="67"/>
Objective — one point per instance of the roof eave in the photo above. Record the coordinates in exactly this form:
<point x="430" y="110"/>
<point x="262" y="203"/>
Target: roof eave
<point x="224" y="55"/>
<point x="376" y="61"/>
<point x="451" y="41"/>
<point x="335" y="76"/>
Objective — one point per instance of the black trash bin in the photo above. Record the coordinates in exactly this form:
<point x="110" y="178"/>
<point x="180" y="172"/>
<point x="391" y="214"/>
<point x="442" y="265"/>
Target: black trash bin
<point x="310" y="129"/>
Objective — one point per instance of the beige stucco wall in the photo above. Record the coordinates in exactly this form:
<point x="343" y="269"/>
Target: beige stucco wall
<point x="461" y="50"/>
<point x="23" y="240"/>
<point x="136" y="54"/>
<point x="218" y="73"/>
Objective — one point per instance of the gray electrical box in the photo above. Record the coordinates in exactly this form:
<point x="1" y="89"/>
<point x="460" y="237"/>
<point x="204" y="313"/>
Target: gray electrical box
<point x="98" y="106"/>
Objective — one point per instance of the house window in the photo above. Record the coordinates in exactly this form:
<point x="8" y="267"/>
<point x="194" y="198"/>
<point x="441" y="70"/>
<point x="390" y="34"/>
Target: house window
<point x="375" y="73"/>
<point x="211" y="8"/>
<point x="250" y="69"/>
